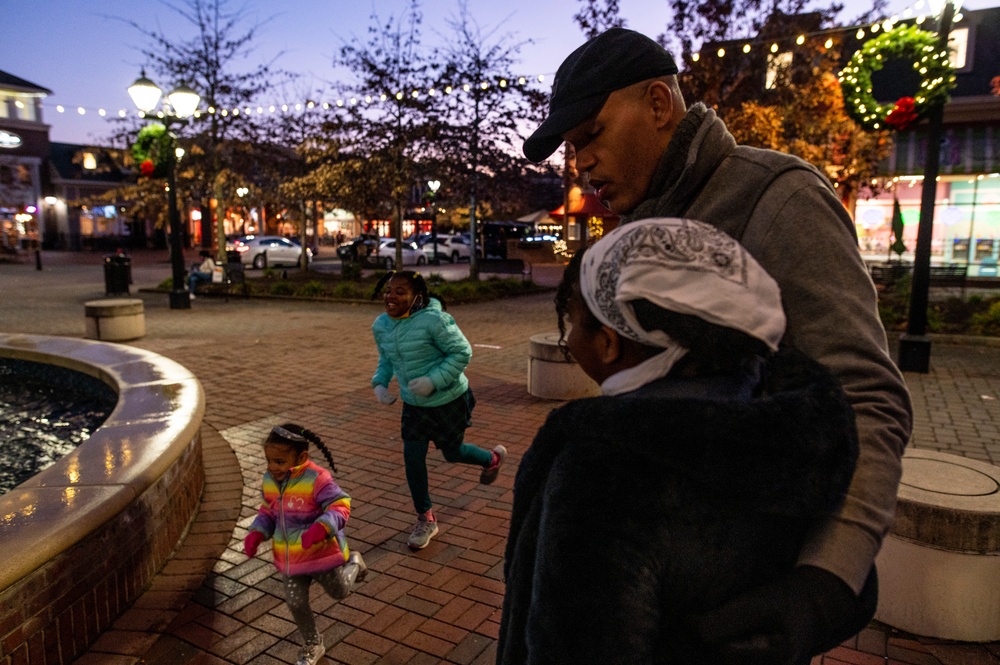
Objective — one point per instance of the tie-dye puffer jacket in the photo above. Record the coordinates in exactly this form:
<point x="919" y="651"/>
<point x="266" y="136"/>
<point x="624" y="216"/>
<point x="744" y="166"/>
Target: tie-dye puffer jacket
<point x="309" y="494"/>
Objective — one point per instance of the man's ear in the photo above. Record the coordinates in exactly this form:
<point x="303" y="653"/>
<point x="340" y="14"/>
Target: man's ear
<point x="661" y="101"/>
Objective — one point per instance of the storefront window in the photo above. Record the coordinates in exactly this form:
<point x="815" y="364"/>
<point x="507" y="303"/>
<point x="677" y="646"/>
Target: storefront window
<point x="966" y="220"/>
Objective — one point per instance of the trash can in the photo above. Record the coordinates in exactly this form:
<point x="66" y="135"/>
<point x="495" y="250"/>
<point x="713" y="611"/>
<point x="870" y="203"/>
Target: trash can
<point x="232" y="256"/>
<point x="117" y="271"/>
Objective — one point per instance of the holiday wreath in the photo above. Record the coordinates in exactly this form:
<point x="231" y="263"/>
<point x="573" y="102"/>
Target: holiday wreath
<point x="929" y="59"/>
<point x="153" y="150"/>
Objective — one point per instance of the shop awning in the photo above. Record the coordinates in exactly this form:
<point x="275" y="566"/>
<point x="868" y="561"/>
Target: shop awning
<point x="588" y="205"/>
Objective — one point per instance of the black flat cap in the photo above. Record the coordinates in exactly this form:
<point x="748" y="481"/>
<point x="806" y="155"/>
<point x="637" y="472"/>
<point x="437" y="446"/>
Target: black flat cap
<point x="613" y="60"/>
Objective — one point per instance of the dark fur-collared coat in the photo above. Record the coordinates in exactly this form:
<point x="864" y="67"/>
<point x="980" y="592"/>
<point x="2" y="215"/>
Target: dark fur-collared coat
<point x="633" y="512"/>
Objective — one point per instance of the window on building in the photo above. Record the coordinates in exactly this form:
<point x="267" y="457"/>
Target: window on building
<point x="958" y="40"/>
<point x="776" y="65"/>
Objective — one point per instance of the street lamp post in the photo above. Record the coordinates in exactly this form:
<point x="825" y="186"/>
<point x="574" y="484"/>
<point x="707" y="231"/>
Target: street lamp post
<point x="180" y="104"/>
<point x="241" y="192"/>
<point x="915" y="344"/>
<point x="433" y="185"/>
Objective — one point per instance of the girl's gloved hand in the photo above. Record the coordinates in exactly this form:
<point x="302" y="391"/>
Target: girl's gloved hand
<point x="421" y="386"/>
<point x="383" y="396"/>
<point x="317" y="533"/>
<point x="252" y="542"/>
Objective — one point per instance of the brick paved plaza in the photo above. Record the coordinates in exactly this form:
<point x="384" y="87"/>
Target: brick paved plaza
<point x="266" y="362"/>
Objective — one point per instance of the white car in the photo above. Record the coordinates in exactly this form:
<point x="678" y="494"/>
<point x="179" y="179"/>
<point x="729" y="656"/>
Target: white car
<point x="263" y="251"/>
<point x="411" y="255"/>
<point x="453" y="248"/>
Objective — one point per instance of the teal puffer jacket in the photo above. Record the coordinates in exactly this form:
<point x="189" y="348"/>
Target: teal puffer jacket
<point x="426" y="343"/>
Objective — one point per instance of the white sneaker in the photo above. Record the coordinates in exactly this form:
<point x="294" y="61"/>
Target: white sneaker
<point x="311" y="653"/>
<point x="423" y="531"/>
<point x="356" y="559"/>
<point x="191" y="294"/>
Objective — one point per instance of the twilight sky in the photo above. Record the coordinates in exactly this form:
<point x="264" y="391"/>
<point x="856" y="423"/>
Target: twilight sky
<point x="81" y="51"/>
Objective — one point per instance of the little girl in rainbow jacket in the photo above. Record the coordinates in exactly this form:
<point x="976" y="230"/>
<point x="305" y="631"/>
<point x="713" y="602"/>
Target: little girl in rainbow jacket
<point x="304" y="511"/>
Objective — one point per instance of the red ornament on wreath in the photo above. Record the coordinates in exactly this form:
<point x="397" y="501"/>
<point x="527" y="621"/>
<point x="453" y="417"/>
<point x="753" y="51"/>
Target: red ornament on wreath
<point x="147" y="168"/>
<point x="903" y="114"/>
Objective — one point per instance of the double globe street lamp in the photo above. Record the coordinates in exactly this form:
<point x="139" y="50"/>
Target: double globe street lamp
<point x="178" y="107"/>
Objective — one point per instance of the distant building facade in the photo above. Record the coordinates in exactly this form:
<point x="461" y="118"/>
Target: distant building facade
<point x="967" y="204"/>
<point x="44" y="186"/>
<point x="967" y="201"/>
<point x="24" y="145"/>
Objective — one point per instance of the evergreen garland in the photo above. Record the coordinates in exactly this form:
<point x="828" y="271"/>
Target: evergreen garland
<point x="924" y="50"/>
<point x="153" y="150"/>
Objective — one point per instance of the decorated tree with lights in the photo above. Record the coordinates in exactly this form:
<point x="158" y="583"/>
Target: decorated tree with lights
<point x="805" y="116"/>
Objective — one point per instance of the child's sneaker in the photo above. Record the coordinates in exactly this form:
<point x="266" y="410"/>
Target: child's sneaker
<point x="491" y="472"/>
<point x="425" y="529"/>
<point x="356" y="559"/>
<point x="311" y="653"/>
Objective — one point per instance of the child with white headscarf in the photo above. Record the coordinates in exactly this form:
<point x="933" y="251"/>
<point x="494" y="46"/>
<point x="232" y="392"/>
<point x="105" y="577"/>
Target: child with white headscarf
<point x="696" y="474"/>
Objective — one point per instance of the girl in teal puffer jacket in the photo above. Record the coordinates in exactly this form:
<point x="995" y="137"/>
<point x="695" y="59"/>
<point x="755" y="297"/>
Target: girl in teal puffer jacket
<point x="423" y="348"/>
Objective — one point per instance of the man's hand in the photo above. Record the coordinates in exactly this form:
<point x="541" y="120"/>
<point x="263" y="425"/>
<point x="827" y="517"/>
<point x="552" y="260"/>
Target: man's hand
<point x="805" y="613"/>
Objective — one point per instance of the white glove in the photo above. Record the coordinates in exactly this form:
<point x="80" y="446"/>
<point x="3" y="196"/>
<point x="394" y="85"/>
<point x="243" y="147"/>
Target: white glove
<point x="421" y="386"/>
<point x="383" y="396"/>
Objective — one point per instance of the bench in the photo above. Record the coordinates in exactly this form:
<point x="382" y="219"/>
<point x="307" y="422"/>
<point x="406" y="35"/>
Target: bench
<point x="951" y="275"/>
<point x="233" y="281"/>
<point x="505" y="267"/>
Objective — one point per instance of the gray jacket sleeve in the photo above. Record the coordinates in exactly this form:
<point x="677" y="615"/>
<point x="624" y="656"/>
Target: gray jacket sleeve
<point x="805" y="239"/>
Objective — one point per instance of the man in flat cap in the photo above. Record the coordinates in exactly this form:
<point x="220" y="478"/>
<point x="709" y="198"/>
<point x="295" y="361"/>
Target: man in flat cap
<point x="616" y="99"/>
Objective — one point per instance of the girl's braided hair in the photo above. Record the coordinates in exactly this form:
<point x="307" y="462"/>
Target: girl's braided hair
<point x="417" y="283"/>
<point x="298" y="438"/>
<point x="570" y="280"/>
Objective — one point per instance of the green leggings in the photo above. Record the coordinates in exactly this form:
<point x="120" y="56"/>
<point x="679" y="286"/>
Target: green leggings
<point x="415" y="459"/>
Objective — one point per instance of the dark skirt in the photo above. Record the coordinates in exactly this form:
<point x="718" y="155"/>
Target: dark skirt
<point x="445" y="425"/>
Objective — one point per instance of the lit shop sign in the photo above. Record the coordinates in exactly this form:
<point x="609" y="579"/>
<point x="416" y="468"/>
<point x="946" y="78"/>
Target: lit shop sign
<point x="8" y="140"/>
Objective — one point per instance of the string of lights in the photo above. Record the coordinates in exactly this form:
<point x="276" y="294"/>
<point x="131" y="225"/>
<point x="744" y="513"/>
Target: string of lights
<point x="772" y="45"/>
<point x="860" y="32"/>
<point x="367" y="100"/>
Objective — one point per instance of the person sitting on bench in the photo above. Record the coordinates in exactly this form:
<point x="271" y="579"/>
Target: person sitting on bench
<point x="201" y="274"/>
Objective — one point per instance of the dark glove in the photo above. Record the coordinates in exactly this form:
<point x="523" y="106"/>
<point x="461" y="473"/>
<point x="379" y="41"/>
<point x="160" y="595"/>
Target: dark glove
<point x="252" y="542"/>
<point x="805" y="613"/>
<point x="317" y="533"/>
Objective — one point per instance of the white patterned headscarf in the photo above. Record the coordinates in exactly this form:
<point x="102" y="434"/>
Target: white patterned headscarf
<point x="682" y="266"/>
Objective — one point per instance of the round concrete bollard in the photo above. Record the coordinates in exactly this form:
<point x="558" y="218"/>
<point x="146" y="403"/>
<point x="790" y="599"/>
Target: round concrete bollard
<point x="115" y="319"/>
<point x="551" y="376"/>
<point x="939" y="568"/>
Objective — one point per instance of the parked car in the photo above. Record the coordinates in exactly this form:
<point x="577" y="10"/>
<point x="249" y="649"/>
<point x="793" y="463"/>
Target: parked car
<point x="359" y="247"/>
<point x="263" y="251"/>
<point x="464" y="242"/>
<point x="494" y="236"/>
<point x="453" y="248"/>
<point x="411" y="255"/>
